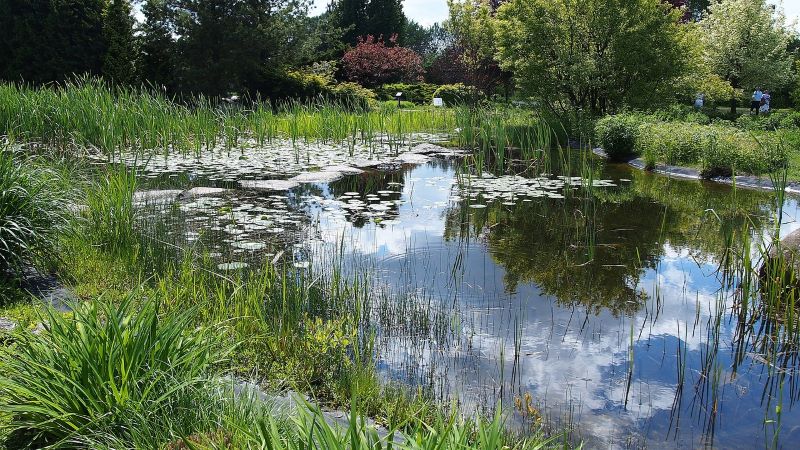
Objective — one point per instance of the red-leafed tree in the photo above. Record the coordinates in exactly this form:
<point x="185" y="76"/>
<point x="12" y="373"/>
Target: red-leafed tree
<point x="372" y="63"/>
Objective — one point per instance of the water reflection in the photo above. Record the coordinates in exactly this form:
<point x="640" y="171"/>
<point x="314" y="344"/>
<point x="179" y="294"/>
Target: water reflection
<point x="607" y="307"/>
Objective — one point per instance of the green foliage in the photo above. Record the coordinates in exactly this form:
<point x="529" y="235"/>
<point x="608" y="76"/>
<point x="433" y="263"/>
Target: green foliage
<point x="673" y="143"/>
<point x="745" y="43"/>
<point x="111" y="216"/>
<point x="385" y="18"/>
<point x="47" y="40"/>
<point x="92" y="371"/>
<point x="617" y="134"/>
<point x="459" y="94"/>
<point x="795" y="94"/>
<point x="421" y="94"/>
<point x="32" y="211"/>
<point x="776" y="120"/>
<point x="586" y="52"/>
<point x="718" y="149"/>
<point x="119" y="60"/>
<point x="320" y="87"/>
<point x="157" y="49"/>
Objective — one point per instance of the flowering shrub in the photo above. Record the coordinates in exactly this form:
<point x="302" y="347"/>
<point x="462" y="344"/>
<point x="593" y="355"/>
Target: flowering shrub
<point x="373" y="63"/>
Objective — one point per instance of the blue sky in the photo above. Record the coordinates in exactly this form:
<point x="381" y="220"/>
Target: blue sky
<point x="428" y="12"/>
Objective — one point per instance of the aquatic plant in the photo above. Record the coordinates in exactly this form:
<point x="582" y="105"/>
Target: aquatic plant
<point x="111" y="215"/>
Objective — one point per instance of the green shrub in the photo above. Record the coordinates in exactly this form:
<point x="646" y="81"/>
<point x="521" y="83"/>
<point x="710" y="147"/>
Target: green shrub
<point x="459" y="94"/>
<point x="32" y="210"/>
<point x="683" y="113"/>
<point x="776" y="120"/>
<point x="719" y="150"/>
<point x="673" y="143"/>
<point x="735" y="152"/>
<point x="309" y="86"/>
<point x="99" y="367"/>
<point x="351" y="96"/>
<point x="421" y="94"/>
<point x="617" y="134"/>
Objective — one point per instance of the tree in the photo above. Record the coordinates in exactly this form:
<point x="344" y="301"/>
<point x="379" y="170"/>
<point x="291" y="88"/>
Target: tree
<point x="385" y="18"/>
<point x="372" y="63"/>
<point x="473" y="26"/>
<point x="234" y="46"/>
<point x="119" y="60"/>
<point x="351" y="17"/>
<point x="51" y="40"/>
<point x="156" y="45"/>
<point x="597" y="55"/>
<point x="746" y="43"/>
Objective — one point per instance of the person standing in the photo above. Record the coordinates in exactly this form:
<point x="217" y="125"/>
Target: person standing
<point x="765" y="99"/>
<point x="699" y="101"/>
<point x="755" y="104"/>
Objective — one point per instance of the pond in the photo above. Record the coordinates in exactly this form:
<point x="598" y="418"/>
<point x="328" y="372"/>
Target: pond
<point x="597" y="303"/>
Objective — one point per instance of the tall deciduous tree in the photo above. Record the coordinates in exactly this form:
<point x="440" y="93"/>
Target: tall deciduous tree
<point x="119" y="60"/>
<point x="597" y="55"/>
<point x="473" y="25"/>
<point x="746" y="43"/>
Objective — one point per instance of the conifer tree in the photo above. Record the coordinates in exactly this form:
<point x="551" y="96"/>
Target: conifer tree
<point x="120" y="57"/>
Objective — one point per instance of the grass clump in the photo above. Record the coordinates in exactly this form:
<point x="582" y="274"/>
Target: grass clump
<point x="111" y="214"/>
<point x="31" y="213"/>
<point x="102" y="366"/>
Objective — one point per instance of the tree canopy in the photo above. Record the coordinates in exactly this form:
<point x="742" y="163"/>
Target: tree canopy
<point x="596" y="55"/>
<point x="746" y="43"/>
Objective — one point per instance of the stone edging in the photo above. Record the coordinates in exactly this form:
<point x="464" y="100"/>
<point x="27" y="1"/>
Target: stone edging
<point x="688" y="173"/>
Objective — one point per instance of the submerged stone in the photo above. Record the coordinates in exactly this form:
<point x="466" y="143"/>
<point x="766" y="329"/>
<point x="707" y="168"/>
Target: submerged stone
<point x="269" y="185"/>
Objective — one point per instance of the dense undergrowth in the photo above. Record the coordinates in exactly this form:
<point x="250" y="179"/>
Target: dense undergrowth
<point x="751" y="144"/>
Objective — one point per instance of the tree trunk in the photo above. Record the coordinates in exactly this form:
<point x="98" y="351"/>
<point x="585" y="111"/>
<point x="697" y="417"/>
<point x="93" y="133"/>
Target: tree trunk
<point x="733" y="107"/>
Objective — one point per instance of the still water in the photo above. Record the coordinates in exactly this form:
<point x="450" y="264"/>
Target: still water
<point x="603" y="311"/>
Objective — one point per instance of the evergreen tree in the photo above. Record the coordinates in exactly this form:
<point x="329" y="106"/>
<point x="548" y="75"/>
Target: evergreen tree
<point x="351" y="17"/>
<point x="156" y="45"/>
<point x="385" y="18"/>
<point x="119" y="61"/>
<point x="50" y="40"/>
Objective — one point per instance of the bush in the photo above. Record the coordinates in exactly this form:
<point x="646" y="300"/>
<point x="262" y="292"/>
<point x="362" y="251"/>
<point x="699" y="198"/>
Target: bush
<point x="421" y="94"/>
<point x="459" y="94"/>
<point x="351" y="96"/>
<point x="617" y="134"/>
<point x="373" y="63"/>
<point x="719" y="150"/>
<point x="673" y="143"/>
<point x="103" y="365"/>
<point x="776" y="120"/>
<point x="32" y="210"/>
<point x="310" y="86"/>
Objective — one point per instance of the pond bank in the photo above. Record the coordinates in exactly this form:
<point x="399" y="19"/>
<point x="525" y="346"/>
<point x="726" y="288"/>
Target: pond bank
<point x="689" y="173"/>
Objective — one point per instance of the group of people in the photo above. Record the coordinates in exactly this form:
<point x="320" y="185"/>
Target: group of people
<point x="760" y="102"/>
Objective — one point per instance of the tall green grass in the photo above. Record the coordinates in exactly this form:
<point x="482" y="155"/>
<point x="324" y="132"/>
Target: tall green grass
<point x="110" y="214"/>
<point x="91" y="371"/>
<point x="89" y="114"/>
<point x="32" y="211"/>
